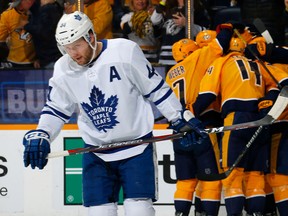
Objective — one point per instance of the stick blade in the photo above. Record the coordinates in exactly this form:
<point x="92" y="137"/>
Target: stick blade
<point x="280" y="103"/>
<point x="263" y="30"/>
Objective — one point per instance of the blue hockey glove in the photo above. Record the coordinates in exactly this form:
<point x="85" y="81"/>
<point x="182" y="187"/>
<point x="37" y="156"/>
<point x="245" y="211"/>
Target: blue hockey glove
<point x="266" y="103"/>
<point x="194" y="128"/>
<point x="37" y="147"/>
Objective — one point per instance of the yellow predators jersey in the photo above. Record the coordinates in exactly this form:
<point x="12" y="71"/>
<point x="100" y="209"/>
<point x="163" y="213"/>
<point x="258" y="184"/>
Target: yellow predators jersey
<point x="184" y="78"/>
<point x="277" y="72"/>
<point x="283" y="67"/>
<point x="21" y="49"/>
<point x="236" y="80"/>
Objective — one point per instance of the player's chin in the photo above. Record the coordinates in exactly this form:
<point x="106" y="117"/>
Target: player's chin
<point x="81" y="62"/>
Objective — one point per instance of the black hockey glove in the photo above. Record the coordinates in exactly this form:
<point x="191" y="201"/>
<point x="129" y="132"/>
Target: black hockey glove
<point x="194" y="128"/>
<point x="37" y="147"/>
<point x="238" y="25"/>
<point x="230" y="26"/>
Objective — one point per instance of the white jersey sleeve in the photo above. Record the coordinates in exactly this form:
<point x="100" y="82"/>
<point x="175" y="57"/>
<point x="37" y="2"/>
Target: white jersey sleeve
<point x="112" y="95"/>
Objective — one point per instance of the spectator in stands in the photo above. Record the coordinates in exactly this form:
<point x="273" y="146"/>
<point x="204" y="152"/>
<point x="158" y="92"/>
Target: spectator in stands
<point x="137" y="26"/>
<point x="21" y="49"/>
<point x="42" y="25"/>
<point x="170" y="16"/>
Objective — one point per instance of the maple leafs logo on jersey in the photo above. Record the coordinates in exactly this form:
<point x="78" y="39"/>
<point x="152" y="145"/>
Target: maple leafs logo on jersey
<point x="101" y="112"/>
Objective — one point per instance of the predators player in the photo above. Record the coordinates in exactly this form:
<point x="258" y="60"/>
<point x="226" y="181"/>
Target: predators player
<point x="184" y="79"/>
<point x="112" y="84"/>
<point x="276" y="179"/>
<point x="277" y="176"/>
<point x="185" y="186"/>
<point x="258" y="48"/>
<point x="198" y="158"/>
<point x="239" y="83"/>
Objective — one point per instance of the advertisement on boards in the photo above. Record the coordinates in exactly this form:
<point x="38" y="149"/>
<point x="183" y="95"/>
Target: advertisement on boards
<point x="11" y="172"/>
<point x="73" y="173"/>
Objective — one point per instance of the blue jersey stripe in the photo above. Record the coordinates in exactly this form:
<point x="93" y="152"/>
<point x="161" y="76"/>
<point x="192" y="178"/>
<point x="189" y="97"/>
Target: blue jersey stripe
<point x="156" y="89"/>
<point x="57" y="113"/>
<point x="164" y="97"/>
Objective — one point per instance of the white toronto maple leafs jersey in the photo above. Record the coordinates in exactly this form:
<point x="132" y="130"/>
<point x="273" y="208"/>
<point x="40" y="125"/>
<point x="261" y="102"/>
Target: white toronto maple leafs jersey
<point x="112" y="95"/>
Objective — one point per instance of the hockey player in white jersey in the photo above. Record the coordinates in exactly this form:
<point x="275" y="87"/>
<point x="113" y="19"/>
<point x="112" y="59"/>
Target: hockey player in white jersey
<point x="111" y="83"/>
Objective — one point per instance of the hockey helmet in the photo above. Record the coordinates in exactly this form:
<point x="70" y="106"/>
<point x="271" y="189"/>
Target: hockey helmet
<point x="247" y="35"/>
<point x="72" y="27"/>
<point x="182" y="48"/>
<point x="237" y="44"/>
<point x="204" y="37"/>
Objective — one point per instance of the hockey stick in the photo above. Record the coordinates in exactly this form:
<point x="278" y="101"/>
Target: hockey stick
<point x="263" y="30"/>
<point x="277" y="109"/>
<point x="259" y="60"/>
<point x="269" y="119"/>
<point x="114" y="145"/>
<point x="265" y="121"/>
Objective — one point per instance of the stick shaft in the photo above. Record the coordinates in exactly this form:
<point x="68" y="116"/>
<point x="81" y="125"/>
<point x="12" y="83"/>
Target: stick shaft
<point x="115" y="145"/>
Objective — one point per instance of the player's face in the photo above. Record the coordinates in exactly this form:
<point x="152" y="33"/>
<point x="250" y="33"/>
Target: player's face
<point x="79" y="51"/>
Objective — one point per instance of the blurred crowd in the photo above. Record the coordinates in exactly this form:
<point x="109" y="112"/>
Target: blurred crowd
<point x="27" y="27"/>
